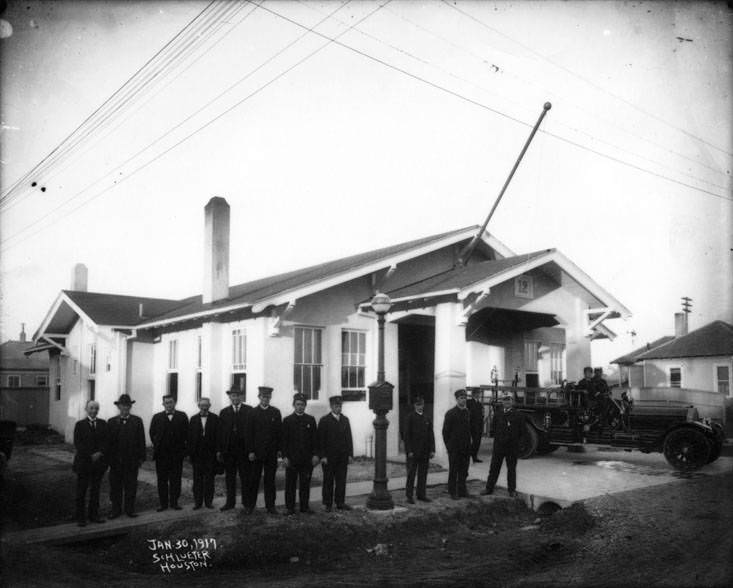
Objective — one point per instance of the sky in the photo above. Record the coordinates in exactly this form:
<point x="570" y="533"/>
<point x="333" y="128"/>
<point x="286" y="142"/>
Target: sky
<point x="334" y="128"/>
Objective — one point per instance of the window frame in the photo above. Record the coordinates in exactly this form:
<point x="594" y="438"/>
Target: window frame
<point x="45" y="383"/>
<point x="669" y="376"/>
<point x="314" y="366"/>
<point x="92" y="359"/>
<point x="717" y="381"/>
<point x="18" y="376"/>
<point x="358" y="391"/>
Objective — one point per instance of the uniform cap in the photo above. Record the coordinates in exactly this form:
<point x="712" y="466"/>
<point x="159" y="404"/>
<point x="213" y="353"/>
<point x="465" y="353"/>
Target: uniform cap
<point x="298" y="396"/>
<point x="265" y="391"/>
<point x="336" y="400"/>
<point x="460" y="392"/>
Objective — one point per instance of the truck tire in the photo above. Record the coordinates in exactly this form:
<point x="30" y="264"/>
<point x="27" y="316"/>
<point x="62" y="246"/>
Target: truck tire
<point x="528" y="442"/>
<point x="715" y="448"/>
<point x="686" y="449"/>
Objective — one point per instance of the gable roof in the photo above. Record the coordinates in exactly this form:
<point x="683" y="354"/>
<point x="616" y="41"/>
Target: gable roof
<point x="714" y="339"/>
<point x="631" y="357"/>
<point x="12" y="357"/>
<point x="119" y="310"/>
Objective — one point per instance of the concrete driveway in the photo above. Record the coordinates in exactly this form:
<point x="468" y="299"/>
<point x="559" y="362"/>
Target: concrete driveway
<point x="564" y="477"/>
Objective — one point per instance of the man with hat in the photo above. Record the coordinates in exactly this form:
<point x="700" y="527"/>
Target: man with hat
<point x="169" y="434"/>
<point x="126" y="455"/>
<point x="420" y="449"/>
<point x="508" y="426"/>
<point x="457" y="439"/>
<point x="476" y="410"/>
<point x="202" y="433"/>
<point x="336" y="449"/>
<point x="90" y="442"/>
<point x="300" y="449"/>
<point x="264" y="438"/>
<point x="232" y="449"/>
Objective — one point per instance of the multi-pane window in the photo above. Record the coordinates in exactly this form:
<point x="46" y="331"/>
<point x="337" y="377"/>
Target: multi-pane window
<point x="14" y="381"/>
<point x="308" y="361"/>
<point x="675" y="377"/>
<point x="92" y="358"/>
<point x="556" y="362"/>
<point x="172" y="354"/>
<point x="531" y="349"/>
<point x="42" y="381"/>
<point x="722" y="374"/>
<point x="353" y="345"/>
<point x="239" y="349"/>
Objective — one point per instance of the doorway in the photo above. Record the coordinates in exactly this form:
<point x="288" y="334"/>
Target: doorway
<point x="416" y="348"/>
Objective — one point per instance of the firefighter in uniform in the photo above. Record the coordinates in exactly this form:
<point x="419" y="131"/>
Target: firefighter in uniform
<point x="457" y="439"/>
<point x="420" y="449"/>
<point x="508" y="426"/>
<point x="336" y="450"/>
<point x="265" y="432"/>
<point x="300" y="454"/>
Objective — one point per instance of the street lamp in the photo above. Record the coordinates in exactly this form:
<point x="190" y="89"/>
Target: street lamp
<point x="380" y="401"/>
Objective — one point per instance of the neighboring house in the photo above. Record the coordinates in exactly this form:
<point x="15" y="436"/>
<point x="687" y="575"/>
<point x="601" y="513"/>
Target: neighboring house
<point x="532" y="316"/>
<point x="694" y="367"/>
<point x="23" y="384"/>
<point x="630" y="373"/>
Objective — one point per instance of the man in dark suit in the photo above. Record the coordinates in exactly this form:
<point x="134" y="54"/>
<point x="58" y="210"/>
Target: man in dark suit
<point x="508" y="427"/>
<point x="232" y="449"/>
<point x="169" y="434"/>
<point x="420" y="449"/>
<point x="90" y="442"/>
<point x="336" y="450"/>
<point x="476" y="410"/>
<point x="202" y="433"/>
<point x="300" y="453"/>
<point x="457" y="439"/>
<point x="126" y="455"/>
<point x="265" y="437"/>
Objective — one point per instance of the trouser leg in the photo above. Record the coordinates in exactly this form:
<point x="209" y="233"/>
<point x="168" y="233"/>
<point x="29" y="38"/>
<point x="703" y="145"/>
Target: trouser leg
<point x="269" y="467"/>
<point x="82" y="483"/>
<point x="96" y="483"/>
<point x="255" y="474"/>
<point x="130" y="484"/>
<point x="162" y="472"/>
<point x="422" y="477"/>
<point x="328" y="480"/>
<point x="340" y="475"/>
<point x="511" y="472"/>
<point x="230" y="474"/>
<point x="115" y="490"/>
<point x="496" y="459"/>
<point x="291" y="478"/>
<point x="411" y="469"/>
<point x="198" y="483"/>
<point x="176" y="472"/>
<point x="208" y="477"/>
<point x="452" y="474"/>
<point x="475" y="443"/>
<point x="462" y="474"/>
<point x="304" y="488"/>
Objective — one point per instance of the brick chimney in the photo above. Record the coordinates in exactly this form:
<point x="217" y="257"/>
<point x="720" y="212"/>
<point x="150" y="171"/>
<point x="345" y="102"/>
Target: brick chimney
<point x="22" y="333"/>
<point x="79" y="278"/>
<point x="680" y="324"/>
<point x="216" y="250"/>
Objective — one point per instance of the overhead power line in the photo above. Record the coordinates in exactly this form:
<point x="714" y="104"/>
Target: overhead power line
<point x="199" y="129"/>
<point x="586" y="80"/>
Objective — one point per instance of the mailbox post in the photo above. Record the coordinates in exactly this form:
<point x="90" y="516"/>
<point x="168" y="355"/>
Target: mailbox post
<point x="380" y="401"/>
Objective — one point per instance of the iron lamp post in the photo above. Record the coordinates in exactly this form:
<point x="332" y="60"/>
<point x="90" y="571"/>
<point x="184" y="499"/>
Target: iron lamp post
<point x="380" y="401"/>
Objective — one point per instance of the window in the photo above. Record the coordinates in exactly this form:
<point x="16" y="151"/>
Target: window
<point x="42" y="381"/>
<point x="557" y="351"/>
<point x="239" y="382"/>
<point x="172" y="385"/>
<point x="308" y="361"/>
<point x="92" y="358"/>
<point x="239" y="350"/>
<point x="14" y="381"/>
<point x="172" y="354"/>
<point x="675" y="377"/>
<point x="353" y="354"/>
<point x="198" y="386"/>
<point x="531" y="350"/>
<point x="92" y="390"/>
<point x="199" y="351"/>
<point x="58" y="388"/>
<point x="722" y="375"/>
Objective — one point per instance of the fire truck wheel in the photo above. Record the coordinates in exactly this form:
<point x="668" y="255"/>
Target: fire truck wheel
<point x="528" y="442"/>
<point x="686" y="449"/>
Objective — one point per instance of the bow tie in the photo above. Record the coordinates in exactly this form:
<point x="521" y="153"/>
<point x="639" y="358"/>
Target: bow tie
<point x="123" y="421"/>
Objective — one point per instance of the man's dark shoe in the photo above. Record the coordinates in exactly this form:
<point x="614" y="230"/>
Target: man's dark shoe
<point x="410" y="500"/>
<point x="97" y="520"/>
<point x="486" y="492"/>
<point x="226" y="507"/>
<point x="343" y="507"/>
<point x="306" y="511"/>
<point x="272" y="510"/>
<point x="477" y="460"/>
<point x="81" y="523"/>
<point x="114" y="514"/>
<point x="248" y="510"/>
<point x="290" y="512"/>
<point x="132" y="515"/>
<point x="512" y="493"/>
<point x="196" y="507"/>
<point x="328" y="508"/>
<point x="466" y="495"/>
<point x="454" y="496"/>
<point x="176" y="507"/>
<point x="161" y="508"/>
<point x="424" y="499"/>
<point x="209" y="505"/>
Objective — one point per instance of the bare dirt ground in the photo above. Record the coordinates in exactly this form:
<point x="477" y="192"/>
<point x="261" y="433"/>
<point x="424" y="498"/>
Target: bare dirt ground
<point x="677" y="534"/>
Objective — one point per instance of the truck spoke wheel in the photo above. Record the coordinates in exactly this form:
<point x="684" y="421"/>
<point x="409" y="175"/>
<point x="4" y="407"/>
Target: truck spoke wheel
<point x="686" y="449"/>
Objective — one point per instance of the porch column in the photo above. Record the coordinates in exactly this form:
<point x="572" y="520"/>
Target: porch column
<point x="450" y="367"/>
<point x="213" y="383"/>
<point x="577" y="345"/>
